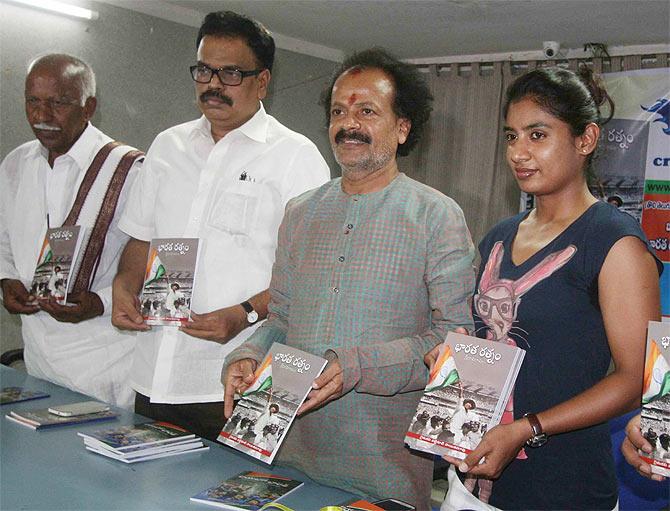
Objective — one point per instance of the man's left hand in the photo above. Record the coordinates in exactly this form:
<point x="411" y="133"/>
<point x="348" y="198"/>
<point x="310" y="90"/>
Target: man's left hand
<point x="87" y="305"/>
<point x="325" y="388"/>
<point x="219" y="326"/>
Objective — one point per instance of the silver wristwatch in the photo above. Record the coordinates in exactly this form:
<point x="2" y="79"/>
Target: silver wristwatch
<point x="252" y="315"/>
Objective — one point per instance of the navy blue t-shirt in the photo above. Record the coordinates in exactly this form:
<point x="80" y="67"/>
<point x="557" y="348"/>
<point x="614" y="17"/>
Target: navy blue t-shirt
<point x="548" y="305"/>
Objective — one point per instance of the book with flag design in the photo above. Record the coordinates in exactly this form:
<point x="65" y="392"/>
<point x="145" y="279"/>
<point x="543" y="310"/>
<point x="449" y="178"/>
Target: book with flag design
<point x="262" y="378"/>
<point x="57" y="262"/>
<point x="168" y="281"/>
<point x="268" y="406"/>
<point x="468" y="388"/>
<point x="655" y="421"/>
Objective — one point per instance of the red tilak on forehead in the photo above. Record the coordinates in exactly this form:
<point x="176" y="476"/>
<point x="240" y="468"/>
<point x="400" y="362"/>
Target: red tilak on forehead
<point x="352" y="99"/>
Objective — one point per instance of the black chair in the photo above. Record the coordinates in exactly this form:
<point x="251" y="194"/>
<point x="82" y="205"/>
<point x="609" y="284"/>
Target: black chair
<point x="12" y="358"/>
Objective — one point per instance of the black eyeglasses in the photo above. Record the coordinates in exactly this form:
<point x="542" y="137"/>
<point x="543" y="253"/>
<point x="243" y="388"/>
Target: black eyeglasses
<point x="202" y="73"/>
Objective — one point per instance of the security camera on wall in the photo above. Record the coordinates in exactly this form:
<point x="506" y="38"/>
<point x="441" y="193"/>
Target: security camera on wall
<point x="550" y="49"/>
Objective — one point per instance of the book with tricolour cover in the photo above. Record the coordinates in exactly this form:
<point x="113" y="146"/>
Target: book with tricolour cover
<point x="43" y="418"/>
<point x="268" y="406"/>
<point x="168" y="281"/>
<point x="466" y="394"/>
<point x="655" y="420"/>
<point x="18" y="394"/>
<point x="248" y="491"/>
<point x="56" y="264"/>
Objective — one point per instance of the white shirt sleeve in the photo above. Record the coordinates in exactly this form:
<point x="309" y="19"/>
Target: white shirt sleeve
<point x="307" y="170"/>
<point x="7" y="267"/>
<point x="137" y="215"/>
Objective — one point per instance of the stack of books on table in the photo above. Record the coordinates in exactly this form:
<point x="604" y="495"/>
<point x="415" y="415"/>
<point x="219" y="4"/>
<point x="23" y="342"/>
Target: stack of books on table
<point x="142" y="442"/>
<point x="46" y="418"/>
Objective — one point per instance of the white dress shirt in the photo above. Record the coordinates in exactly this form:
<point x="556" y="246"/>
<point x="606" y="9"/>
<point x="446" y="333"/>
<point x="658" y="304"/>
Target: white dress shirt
<point x="92" y="356"/>
<point x="231" y="195"/>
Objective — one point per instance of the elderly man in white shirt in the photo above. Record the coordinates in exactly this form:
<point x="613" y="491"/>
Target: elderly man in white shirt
<point x="233" y="171"/>
<point x="64" y="178"/>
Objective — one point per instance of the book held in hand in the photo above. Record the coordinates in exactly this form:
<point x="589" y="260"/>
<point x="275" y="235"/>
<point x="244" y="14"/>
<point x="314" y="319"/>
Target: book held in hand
<point x="18" y="394"/>
<point x="142" y="442"/>
<point x="466" y="394"/>
<point x="248" y="491"/>
<point x="57" y="262"/>
<point x="168" y="281"/>
<point x="43" y="418"/>
<point x="268" y="406"/>
<point x="655" y="420"/>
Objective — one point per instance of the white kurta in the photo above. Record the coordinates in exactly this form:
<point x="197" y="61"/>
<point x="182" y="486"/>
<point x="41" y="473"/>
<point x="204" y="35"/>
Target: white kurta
<point x="232" y="196"/>
<point x="91" y="357"/>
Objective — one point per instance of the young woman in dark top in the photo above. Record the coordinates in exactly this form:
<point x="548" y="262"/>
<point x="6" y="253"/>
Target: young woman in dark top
<point x="574" y="283"/>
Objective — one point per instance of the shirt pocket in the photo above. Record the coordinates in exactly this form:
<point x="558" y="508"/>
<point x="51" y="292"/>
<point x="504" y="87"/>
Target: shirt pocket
<point x="235" y="207"/>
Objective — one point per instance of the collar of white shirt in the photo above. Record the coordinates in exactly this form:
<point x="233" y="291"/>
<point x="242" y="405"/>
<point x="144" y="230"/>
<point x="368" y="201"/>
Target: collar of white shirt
<point x="81" y="152"/>
<point x="255" y="128"/>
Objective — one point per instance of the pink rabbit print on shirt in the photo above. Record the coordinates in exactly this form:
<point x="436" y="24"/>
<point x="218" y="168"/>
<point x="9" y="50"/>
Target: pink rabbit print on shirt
<point x="497" y="300"/>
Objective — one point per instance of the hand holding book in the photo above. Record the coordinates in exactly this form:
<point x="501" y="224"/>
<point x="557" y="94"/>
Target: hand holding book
<point x="82" y="306"/>
<point x="632" y="444"/>
<point x="219" y="326"/>
<point x="326" y="387"/>
<point x="16" y="298"/>
<point x="498" y="447"/>
<point x="237" y="378"/>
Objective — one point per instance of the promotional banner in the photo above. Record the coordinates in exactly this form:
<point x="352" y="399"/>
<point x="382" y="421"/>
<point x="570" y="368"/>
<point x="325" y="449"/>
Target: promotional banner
<point x="632" y="164"/>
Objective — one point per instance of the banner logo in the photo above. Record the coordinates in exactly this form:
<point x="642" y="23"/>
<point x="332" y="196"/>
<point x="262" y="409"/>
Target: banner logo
<point x="662" y="108"/>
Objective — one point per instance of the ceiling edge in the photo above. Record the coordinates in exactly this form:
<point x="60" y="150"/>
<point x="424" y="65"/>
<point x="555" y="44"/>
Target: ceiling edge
<point x="614" y="51"/>
<point x="193" y="18"/>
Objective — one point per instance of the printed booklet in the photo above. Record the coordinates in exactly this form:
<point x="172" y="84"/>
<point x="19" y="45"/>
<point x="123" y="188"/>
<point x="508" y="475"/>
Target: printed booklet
<point x="142" y="442"/>
<point x="168" y="281"/>
<point x="56" y="264"/>
<point x="18" y="394"/>
<point x="138" y="436"/>
<point x="655" y="422"/>
<point x="267" y="408"/>
<point x="466" y="394"/>
<point x="43" y="418"/>
<point x="248" y="491"/>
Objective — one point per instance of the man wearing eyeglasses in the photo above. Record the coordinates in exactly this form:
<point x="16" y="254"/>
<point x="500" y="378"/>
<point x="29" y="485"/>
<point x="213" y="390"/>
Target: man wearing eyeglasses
<point x="72" y="174"/>
<point x="233" y="171"/>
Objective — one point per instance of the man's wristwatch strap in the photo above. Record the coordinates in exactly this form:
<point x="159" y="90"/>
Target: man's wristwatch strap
<point x="252" y="315"/>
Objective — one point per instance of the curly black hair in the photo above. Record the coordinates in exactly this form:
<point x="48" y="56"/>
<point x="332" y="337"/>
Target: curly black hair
<point x="413" y="99"/>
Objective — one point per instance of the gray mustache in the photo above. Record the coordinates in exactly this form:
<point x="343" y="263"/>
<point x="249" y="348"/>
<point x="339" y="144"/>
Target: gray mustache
<point x="45" y="127"/>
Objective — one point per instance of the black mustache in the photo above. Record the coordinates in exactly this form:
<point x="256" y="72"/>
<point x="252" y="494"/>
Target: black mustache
<point x="213" y="93"/>
<point x="343" y="135"/>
